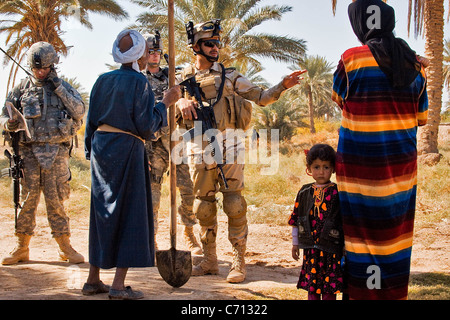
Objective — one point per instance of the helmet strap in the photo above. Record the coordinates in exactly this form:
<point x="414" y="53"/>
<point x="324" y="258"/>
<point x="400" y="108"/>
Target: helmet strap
<point x="209" y="58"/>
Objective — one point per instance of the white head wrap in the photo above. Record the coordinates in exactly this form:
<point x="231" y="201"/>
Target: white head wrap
<point x="134" y="53"/>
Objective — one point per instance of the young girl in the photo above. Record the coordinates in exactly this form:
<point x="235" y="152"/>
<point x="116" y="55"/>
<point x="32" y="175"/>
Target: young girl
<point x="317" y="228"/>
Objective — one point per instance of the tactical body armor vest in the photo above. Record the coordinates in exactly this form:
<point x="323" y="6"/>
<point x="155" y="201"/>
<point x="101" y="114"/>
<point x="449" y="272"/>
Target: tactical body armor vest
<point x="231" y="111"/>
<point x="159" y="83"/>
<point x="47" y="119"/>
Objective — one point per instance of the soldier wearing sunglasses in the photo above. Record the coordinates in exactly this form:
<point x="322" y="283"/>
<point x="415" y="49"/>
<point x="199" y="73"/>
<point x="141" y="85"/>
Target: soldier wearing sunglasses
<point x="158" y="151"/>
<point x="229" y="93"/>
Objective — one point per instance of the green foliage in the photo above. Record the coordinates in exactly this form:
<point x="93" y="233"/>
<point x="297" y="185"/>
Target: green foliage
<point x="242" y="46"/>
<point x="314" y="92"/>
<point x="30" y="21"/>
<point x="429" y="286"/>
<point x="282" y="115"/>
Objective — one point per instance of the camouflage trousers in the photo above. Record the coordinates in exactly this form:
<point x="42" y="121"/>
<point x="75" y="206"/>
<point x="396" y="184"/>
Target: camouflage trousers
<point x="53" y="183"/>
<point x="159" y="163"/>
<point x="207" y="183"/>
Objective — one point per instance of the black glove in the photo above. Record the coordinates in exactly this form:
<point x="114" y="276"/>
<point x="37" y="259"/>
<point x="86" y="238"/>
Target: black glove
<point x="53" y="80"/>
<point x="12" y="125"/>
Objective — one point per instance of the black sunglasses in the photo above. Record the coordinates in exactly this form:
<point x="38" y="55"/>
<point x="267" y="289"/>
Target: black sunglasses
<point x="212" y="43"/>
<point x="152" y="51"/>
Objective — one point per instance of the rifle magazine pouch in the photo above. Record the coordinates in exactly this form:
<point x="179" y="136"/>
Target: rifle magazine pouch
<point x="31" y="107"/>
<point x="208" y="86"/>
<point x="243" y="109"/>
<point x="66" y="127"/>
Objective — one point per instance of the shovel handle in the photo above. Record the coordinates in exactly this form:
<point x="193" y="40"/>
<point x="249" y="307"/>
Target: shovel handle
<point x="172" y="166"/>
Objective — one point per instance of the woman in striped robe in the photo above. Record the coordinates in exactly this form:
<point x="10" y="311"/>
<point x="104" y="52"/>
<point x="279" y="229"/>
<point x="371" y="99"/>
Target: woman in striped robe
<point x="381" y="89"/>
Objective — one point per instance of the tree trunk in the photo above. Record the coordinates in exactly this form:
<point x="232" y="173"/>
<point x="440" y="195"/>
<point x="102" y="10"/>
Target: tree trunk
<point x="434" y="50"/>
<point x="311" y="111"/>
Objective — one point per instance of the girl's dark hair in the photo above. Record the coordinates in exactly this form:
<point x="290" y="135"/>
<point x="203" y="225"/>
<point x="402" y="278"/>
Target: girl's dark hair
<point x="323" y="152"/>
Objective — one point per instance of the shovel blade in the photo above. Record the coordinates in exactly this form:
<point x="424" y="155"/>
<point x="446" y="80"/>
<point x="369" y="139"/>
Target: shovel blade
<point x="174" y="266"/>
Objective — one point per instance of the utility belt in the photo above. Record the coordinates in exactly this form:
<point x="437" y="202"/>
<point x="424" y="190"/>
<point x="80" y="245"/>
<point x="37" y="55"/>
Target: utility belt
<point x="107" y="128"/>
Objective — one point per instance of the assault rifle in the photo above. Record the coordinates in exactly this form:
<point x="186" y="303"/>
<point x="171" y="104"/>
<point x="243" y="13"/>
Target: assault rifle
<point x="15" y="171"/>
<point x="205" y="116"/>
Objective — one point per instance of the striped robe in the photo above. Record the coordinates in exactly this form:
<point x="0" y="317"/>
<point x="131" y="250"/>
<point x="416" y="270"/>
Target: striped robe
<point x="376" y="172"/>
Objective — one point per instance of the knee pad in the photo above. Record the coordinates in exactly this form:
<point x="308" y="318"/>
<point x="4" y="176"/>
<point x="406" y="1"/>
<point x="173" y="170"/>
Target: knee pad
<point x="205" y="210"/>
<point x="235" y="206"/>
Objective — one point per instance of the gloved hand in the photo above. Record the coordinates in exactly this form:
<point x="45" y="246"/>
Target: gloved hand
<point x="53" y="80"/>
<point x="12" y="125"/>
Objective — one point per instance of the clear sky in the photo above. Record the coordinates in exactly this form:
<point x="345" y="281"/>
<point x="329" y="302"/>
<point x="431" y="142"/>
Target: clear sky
<point x="313" y="21"/>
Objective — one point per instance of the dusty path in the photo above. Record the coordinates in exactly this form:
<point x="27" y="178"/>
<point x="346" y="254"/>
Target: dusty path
<point x="271" y="272"/>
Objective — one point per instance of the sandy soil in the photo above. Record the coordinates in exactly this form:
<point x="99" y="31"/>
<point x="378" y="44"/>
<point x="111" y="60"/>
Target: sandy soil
<point x="270" y="268"/>
<point x="271" y="271"/>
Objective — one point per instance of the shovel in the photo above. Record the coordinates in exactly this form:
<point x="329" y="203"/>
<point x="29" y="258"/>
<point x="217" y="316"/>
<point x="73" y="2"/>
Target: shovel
<point x="174" y="266"/>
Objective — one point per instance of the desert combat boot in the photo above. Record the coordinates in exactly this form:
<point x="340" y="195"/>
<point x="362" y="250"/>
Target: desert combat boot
<point x="191" y="241"/>
<point x="209" y="264"/>
<point x="66" y="252"/>
<point x="21" y="252"/>
<point x="237" y="271"/>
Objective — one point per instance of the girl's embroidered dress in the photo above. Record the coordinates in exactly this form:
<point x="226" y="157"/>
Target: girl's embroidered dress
<point x="321" y="271"/>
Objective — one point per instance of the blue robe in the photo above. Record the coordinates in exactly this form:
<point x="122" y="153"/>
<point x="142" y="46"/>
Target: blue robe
<point x="121" y="232"/>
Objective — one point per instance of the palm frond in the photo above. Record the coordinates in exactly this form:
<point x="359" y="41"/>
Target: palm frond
<point x="30" y="21"/>
<point x="238" y="20"/>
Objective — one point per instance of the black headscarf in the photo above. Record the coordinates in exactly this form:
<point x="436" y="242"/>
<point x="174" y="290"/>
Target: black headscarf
<point x="393" y="55"/>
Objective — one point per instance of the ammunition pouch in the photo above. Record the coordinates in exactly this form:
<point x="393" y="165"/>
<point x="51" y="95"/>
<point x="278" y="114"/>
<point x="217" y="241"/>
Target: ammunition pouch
<point x="31" y="106"/>
<point x="243" y="109"/>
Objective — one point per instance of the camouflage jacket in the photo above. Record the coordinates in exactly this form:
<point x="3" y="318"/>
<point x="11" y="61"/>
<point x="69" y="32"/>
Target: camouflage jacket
<point x="51" y="116"/>
<point x="234" y="109"/>
<point x="159" y="82"/>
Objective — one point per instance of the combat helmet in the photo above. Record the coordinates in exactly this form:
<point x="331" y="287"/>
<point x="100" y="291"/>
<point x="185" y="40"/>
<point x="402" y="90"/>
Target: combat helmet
<point x="154" y="41"/>
<point x="42" y="55"/>
<point x="205" y="30"/>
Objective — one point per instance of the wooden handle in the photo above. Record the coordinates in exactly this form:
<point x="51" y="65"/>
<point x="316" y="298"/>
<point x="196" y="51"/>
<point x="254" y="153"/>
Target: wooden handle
<point x="172" y="166"/>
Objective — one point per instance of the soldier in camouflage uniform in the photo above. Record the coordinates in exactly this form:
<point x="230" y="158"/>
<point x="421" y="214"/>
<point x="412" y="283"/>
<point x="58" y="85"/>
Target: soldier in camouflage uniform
<point x="232" y="111"/>
<point x="158" y="151"/>
<point x="53" y="111"/>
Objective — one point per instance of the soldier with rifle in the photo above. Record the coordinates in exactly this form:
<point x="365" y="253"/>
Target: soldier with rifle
<point x="53" y="111"/>
<point x="158" y="150"/>
<point x="224" y="104"/>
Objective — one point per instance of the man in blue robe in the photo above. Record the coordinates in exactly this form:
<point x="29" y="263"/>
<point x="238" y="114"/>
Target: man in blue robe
<point x="122" y="114"/>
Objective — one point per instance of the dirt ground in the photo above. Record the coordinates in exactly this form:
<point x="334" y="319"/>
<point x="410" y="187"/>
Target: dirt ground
<point x="271" y="272"/>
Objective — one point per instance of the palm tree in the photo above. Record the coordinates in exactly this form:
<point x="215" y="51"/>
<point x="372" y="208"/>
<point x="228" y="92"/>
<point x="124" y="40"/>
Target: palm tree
<point x="316" y="87"/>
<point x="447" y="64"/>
<point x="281" y="115"/>
<point x="241" y="47"/>
<point x="429" y="19"/>
<point x="30" y="21"/>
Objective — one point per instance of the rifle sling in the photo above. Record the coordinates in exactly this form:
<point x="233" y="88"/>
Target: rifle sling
<point x="222" y="84"/>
